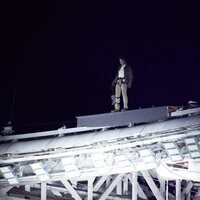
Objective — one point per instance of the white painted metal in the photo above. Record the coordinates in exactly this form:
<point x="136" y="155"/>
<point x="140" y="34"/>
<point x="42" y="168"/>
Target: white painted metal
<point x="140" y="192"/>
<point x="57" y="193"/>
<point x="152" y="185"/>
<point x="71" y="190"/>
<point x="167" y="190"/>
<point x="99" y="183"/>
<point x="178" y="189"/>
<point x="59" y="132"/>
<point x="125" y="185"/>
<point x="27" y="188"/>
<point x="187" y="189"/>
<point x="191" y="111"/>
<point x="108" y="180"/>
<point x="162" y="185"/>
<point x="89" y="138"/>
<point x="119" y="149"/>
<point x="43" y="191"/>
<point x="134" y="185"/>
<point x="119" y="188"/>
<point x="111" y="187"/>
<point x="90" y="189"/>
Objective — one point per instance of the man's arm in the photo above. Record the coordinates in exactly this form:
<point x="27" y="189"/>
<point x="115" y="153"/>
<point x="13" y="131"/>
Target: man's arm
<point x="130" y="77"/>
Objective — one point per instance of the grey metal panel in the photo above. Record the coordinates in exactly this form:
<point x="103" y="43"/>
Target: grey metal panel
<point x="123" y="118"/>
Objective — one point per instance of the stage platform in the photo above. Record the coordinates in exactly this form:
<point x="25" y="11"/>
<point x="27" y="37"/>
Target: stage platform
<point x="145" y="115"/>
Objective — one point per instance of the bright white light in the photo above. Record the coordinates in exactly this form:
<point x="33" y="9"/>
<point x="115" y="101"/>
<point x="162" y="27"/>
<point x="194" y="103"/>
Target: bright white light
<point x="36" y="167"/>
<point x="139" y="166"/>
<point x="73" y="174"/>
<point x="13" y="181"/>
<point x="5" y="169"/>
<point x="39" y="171"/>
<point x="173" y="151"/>
<point x="192" y="147"/>
<point x="43" y="177"/>
<point x="195" y="154"/>
<point x="190" y="141"/>
<point x="148" y="159"/>
<point x="121" y="160"/>
<point x="145" y="152"/>
<point x="70" y="167"/>
<point x="169" y="145"/>
<point x="151" y="165"/>
<point x="176" y="157"/>
<point x="68" y="161"/>
<point x="98" y="160"/>
<point x="8" y="175"/>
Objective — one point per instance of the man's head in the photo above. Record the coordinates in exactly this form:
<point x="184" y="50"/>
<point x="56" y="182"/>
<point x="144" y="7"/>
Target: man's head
<point x="122" y="60"/>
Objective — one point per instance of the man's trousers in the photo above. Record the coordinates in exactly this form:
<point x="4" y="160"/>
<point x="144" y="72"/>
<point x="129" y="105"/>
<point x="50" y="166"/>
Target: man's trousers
<point x="121" y="89"/>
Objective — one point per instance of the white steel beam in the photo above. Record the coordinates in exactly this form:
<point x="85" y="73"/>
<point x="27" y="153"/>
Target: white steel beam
<point x="125" y="185"/>
<point x="167" y="190"/>
<point x="162" y="185"/>
<point x="178" y="189"/>
<point x="152" y="185"/>
<point x="72" y="191"/>
<point x="99" y="183"/>
<point x="108" y="180"/>
<point x="43" y="191"/>
<point x="27" y="188"/>
<point x="57" y="193"/>
<point x="140" y="191"/>
<point x="111" y="187"/>
<point x="134" y="185"/>
<point x="74" y="183"/>
<point x="90" y="189"/>
<point x="119" y="188"/>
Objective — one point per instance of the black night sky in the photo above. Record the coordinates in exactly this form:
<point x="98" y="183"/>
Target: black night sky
<point x="58" y="58"/>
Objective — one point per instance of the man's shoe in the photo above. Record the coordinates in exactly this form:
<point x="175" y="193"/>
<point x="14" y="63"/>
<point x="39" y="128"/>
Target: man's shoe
<point x="116" y="110"/>
<point x="124" y="109"/>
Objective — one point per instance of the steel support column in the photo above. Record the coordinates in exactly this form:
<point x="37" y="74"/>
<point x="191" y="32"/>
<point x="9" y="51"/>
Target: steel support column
<point x="140" y="191"/>
<point x="167" y="190"/>
<point x="119" y="188"/>
<point x="90" y="189"/>
<point x="125" y="185"/>
<point x="178" y="189"/>
<point x="162" y="185"/>
<point x="134" y="185"/>
<point x="43" y="191"/>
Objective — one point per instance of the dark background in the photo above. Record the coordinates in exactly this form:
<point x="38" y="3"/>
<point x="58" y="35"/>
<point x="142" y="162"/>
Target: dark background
<point x="58" y="58"/>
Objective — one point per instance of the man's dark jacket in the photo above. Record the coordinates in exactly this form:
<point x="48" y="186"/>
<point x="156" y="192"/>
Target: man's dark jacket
<point x="128" y="76"/>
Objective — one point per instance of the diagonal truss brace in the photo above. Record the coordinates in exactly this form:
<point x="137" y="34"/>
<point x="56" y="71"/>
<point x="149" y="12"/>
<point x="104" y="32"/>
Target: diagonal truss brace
<point x="111" y="187"/>
<point x="140" y="191"/>
<point x="72" y="191"/>
<point x="152" y="185"/>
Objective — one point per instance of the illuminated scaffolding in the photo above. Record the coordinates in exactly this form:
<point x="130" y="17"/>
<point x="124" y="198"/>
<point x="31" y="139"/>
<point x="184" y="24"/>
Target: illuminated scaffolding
<point x="105" y="162"/>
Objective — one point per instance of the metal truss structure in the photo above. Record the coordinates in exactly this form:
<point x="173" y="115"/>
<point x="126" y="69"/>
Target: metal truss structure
<point x="155" y="160"/>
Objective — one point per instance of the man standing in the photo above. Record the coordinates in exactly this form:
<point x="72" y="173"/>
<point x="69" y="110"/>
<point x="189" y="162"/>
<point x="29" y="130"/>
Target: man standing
<point x="122" y="82"/>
